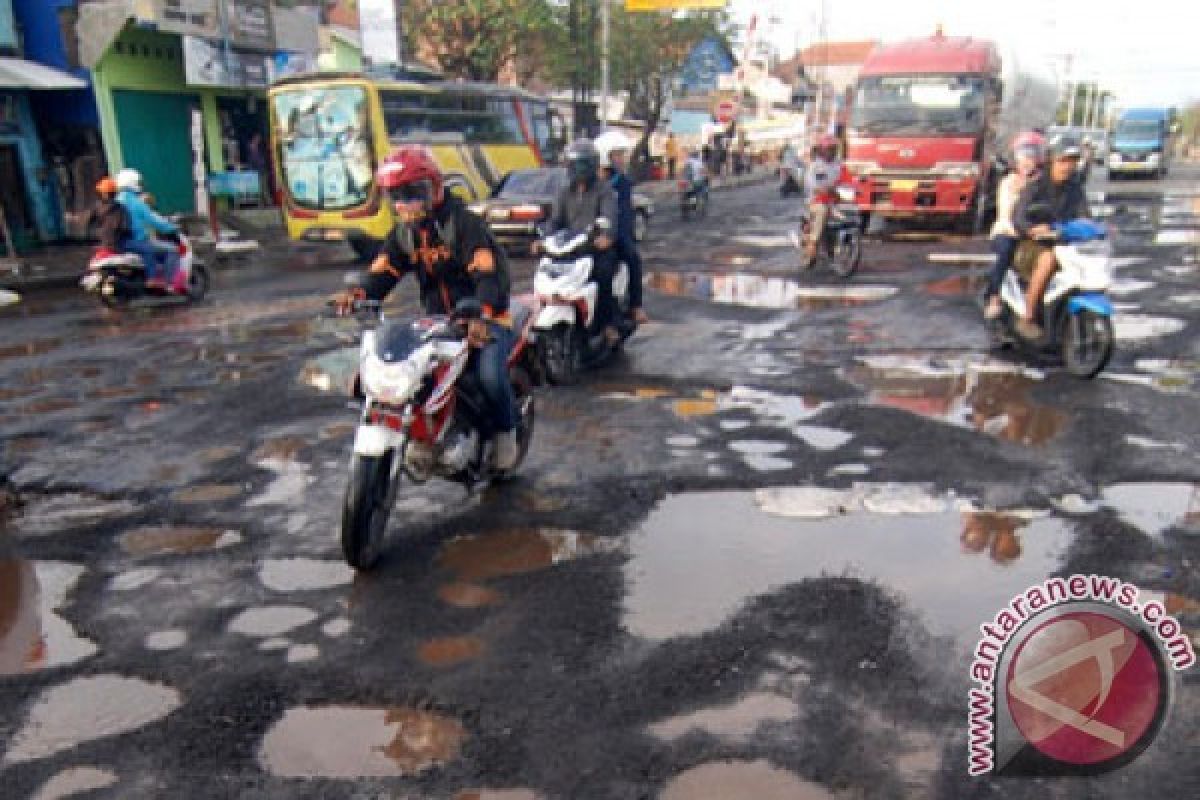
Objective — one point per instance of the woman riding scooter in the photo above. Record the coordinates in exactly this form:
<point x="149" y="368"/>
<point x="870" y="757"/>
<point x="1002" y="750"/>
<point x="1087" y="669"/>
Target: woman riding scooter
<point x="824" y="174"/>
<point x="1029" y="153"/>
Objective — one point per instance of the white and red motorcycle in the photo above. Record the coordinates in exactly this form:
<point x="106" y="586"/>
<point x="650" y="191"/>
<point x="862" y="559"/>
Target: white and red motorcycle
<point x="120" y="278"/>
<point x="424" y="415"/>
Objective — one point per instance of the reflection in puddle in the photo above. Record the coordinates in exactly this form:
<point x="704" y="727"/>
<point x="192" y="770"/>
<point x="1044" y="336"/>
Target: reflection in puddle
<point x="75" y="781"/>
<point x="990" y="398"/>
<point x="32" y="635"/>
<point x="343" y="742"/>
<point x="736" y="720"/>
<point x="1172" y="236"/>
<point x="208" y="494"/>
<point x="450" y="650"/>
<point x="468" y="595"/>
<point x="167" y="540"/>
<point x="50" y="514"/>
<point x="515" y="552"/>
<point x="134" y="579"/>
<point x="33" y="348"/>
<point x="758" y="291"/>
<point x="698" y="557"/>
<point x="303" y="574"/>
<point x="86" y="709"/>
<point x="956" y="286"/>
<point x="1155" y="507"/>
<point x="1132" y="327"/>
<point x="722" y="780"/>
<point x="271" y="620"/>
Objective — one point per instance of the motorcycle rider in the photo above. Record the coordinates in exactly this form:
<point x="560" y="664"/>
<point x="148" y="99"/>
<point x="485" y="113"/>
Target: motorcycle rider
<point x="453" y="256"/>
<point x="589" y="203"/>
<point x="1058" y="197"/>
<point x="112" y="221"/>
<point x="1029" y="153"/>
<point x="824" y="174"/>
<point x="144" y="219"/>
<point x="614" y="147"/>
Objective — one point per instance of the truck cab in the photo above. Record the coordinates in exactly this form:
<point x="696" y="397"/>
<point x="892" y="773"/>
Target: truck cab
<point x="1140" y="144"/>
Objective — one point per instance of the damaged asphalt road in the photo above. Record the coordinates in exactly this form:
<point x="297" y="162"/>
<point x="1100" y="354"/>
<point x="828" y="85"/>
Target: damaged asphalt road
<point x="747" y="560"/>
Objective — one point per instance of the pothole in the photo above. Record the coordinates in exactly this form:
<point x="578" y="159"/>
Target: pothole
<point x="450" y="651"/>
<point x="169" y="540"/>
<point x="515" y="552"/>
<point x="303" y="574"/>
<point x="760" y="780"/>
<point x="347" y="743"/>
<point x="760" y="291"/>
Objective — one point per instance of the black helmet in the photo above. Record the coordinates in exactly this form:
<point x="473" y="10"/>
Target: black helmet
<point x="582" y="160"/>
<point x="1064" y="146"/>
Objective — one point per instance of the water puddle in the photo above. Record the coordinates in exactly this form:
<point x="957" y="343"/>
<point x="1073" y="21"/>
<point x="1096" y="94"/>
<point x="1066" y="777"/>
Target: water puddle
<point x="1136" y="327"/>
<point x="1172" y="236"/>
<point x="281" y="449"/>
<point x="956" y="286"/>
<point x="36" y="347"/>
<point x="698" y="557"/>
<point x="51" y="405"/>
<point x="206" y="494"/>
<point x="217" y="454"/>
<point x="162" y="641"/>
<point x="338" y="430"/>
<point x="1153" y="508"/>
<point x="44" y="515"/>
<point x="299" y="653"/>
<point x="759" y="291"/>
<point x="738" y="720"/>
<point x="450" y="651"/>
<point x="516" y="552"/>
<point x="347" y="743"/>
<point x="721" y="780"/>
<point x="32" y="634"/>
<point x="74" y="781"/>
<point x="269" y="621"/>
<point x="303" y="574"/>
<point x="1126" y="286"/>
<point x="989" y="397"/>
<point x="498" y="794"/>
<point x="332" y="372"/>
<point x="291" y="482"/>
<point x="467" y="595"/>
<point x="169" y="540"/>
<point x="86" y="709"/>
<point x="336" y="628"/>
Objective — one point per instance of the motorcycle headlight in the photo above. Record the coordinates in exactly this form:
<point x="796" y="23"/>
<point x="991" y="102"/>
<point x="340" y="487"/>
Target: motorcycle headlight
<point x="391" y="383"/>
<point x="957" y="169"/>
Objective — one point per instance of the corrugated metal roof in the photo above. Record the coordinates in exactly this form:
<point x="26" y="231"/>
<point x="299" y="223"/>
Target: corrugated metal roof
<point x="17" y="73"/>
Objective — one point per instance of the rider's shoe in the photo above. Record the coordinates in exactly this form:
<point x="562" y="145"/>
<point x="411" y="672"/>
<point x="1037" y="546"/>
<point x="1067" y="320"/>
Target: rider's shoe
<point x="1029" y="330"/>
<point x="505" y="450"/>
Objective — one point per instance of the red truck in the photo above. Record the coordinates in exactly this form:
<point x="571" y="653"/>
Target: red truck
<point x="929" y="118"/>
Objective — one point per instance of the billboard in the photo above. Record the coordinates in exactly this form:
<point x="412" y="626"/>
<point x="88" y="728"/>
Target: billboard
<point x="675" y="5"/>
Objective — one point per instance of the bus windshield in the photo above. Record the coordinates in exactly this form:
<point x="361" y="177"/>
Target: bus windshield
<point x="1139" y="129"/>
<point x="922" y="104"/>
<point x="324" y="142"/>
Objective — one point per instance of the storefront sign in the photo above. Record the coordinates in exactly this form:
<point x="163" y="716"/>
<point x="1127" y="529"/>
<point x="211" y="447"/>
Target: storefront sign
<point x="206" y="63"/>
<point x="250" y="24"/>
<point x="187" y="17"/>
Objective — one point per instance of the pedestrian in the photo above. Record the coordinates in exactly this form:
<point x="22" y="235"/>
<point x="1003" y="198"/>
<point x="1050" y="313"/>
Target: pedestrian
<point x="672" y="152"/>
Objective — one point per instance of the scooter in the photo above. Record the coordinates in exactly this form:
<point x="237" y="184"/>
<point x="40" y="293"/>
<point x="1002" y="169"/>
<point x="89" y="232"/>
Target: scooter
<point x="1076" y="310"/>
<point x="841" y="238"/>
<point x="424" y="416"/>
<point x="563" y="284"/>
<point x="120" y="278"/>
<point x="693" y="198"/>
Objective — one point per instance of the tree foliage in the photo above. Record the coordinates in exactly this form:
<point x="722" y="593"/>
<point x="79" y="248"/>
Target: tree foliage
<point x="476" y="39"/>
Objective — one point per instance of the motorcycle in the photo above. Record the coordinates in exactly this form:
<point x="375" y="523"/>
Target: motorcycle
<point x="693" y="198"/>
<point x="424" y="416"/>
<point x="1076" y="310"/>
<point x="841" y="239"/>
<point x="563" y="284"/>
<point x="120" y="278"/>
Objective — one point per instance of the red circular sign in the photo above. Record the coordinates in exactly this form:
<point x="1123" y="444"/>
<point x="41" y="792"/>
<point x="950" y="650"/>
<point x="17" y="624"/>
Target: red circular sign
<point x="726" y="111"/>
<point x="1085" y="689"/>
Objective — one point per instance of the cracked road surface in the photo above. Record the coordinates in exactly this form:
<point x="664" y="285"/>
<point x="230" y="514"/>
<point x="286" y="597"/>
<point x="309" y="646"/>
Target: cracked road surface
<point x="749" y="559"/>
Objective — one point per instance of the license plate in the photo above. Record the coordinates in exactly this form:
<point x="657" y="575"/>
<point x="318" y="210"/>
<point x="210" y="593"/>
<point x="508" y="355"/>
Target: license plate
<point x="904" y="186"/>
<point x="334" y="236"/>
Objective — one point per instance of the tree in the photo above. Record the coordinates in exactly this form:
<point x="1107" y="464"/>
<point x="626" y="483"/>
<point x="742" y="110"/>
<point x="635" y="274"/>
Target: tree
<point x="477" y="39"/>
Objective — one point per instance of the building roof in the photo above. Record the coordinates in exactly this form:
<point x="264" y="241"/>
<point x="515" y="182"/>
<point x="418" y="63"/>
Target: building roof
<point x="836" y="54"/>
<point x="17" y="73"/>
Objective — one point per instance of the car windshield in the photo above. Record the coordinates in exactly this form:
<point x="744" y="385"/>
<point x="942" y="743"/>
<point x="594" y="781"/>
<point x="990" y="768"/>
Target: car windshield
<point x="1139" y="129"/>
<point x="324" y="143"/>
<point x="928" y="104"/>
<point x="532" y="183"/>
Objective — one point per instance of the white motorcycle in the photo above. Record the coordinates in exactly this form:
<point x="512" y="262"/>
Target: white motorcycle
<point x="120" y="278"/>
<point x="564" y="286"/>
<point x="1076" y="310"/>
<point x="424" y="416"/>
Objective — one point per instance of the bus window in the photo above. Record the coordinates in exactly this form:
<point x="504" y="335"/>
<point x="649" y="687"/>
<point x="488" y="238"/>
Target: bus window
<point x="324" y="142"/>
<point x="505" y="109"/>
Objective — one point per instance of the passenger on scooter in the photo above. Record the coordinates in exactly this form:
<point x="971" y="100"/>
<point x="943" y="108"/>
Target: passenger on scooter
<point x="1058" y="197"/>
<point x="614" y="148"/>
<point x="111" y="220"/>
<point x="453" y="256"/>
<point x="1029" y="153"/>
<point x="824" y="174"/>
<point x="695" y="174"/>
<point x="143" y="220"/>
<point x="588" y="203"/>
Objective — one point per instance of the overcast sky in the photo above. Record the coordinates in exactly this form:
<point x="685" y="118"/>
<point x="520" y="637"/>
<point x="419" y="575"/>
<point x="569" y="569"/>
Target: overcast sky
<point x="1148" y="51"/>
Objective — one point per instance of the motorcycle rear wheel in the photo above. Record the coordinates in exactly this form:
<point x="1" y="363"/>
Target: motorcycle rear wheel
<point x="847" y="254"/>
<point x="365" y="510"/>
<point x="198" y="282"/>
<point x="564" y="355"/>
<point x="1087" y="343"/>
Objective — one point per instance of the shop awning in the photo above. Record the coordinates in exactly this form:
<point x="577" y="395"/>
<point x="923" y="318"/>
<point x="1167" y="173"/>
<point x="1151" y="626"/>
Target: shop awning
<point x="17" y="73"/>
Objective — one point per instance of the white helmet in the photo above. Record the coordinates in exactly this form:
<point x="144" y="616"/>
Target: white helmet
<point x="129" y="179"/>
<point x="609" y="141"/>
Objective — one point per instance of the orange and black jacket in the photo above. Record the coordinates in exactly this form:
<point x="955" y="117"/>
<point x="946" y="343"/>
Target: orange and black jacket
<point x="453" y="256"/>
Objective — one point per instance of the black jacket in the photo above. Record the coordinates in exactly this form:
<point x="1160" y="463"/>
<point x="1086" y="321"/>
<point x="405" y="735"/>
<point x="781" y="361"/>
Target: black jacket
<point x="1065" y="201"/>
<point x="113" y="224"/>
<point x="453" y="255"/>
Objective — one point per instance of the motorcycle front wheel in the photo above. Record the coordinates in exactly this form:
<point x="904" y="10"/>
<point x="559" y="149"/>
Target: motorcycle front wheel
<point x="564" y="355"/>
<point x="198" y="282"/>
<point x="113" y="299"/>
<point x="365" y="510"/>
<point x="847" y="252"/>
<point x="1087" y="343"/>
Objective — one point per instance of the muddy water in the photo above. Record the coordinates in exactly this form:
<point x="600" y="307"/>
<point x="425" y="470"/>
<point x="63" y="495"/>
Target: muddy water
<point x="206" y="494"/>
<point x="86" y="709"/>
<point x="346" y="742"/>
<point x="450" y="650"/>
<point x="989" y="398"/>
<point x="468" y="595"/>
<point x="698" y="557"/>
<point x="722" y="780"/>
<point x="758" y="291"/>
<point x="32" y="634"/>
<point x="515" y="552"/>
<point x="167" y="540"/>
<point x="303" y="574"/>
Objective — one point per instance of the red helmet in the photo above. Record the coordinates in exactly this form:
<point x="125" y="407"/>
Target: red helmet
<point x="410" y="175"/>
<point x="826" y="144"/>
<point x="1030" y="143"/>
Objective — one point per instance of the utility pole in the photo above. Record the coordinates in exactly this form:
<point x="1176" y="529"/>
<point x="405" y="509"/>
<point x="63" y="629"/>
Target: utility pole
<point x="604" y="77"/>
<point x="1071" y="95"/>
